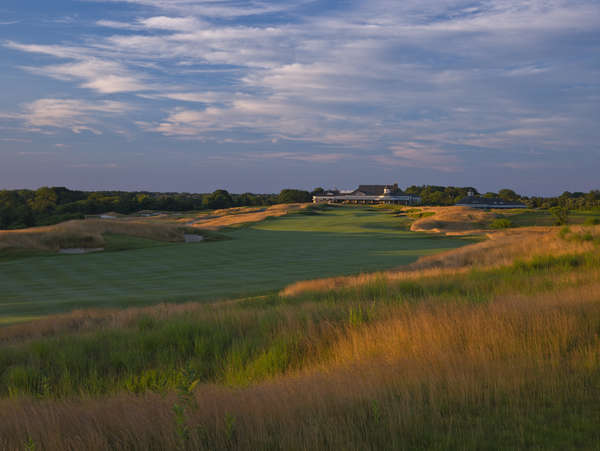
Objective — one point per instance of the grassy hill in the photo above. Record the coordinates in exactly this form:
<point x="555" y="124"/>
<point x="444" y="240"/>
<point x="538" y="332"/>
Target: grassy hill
<point x="493" y="345"/>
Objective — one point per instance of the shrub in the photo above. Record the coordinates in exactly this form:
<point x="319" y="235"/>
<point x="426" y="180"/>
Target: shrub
<point x="592" y="221"/>
<point x="501" y="223"/>
<point x="564" y="231"/>
<point x="561" y="214"/>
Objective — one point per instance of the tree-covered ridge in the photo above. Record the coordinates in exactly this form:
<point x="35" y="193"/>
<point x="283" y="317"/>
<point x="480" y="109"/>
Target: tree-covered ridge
<point x="50" y="205"/>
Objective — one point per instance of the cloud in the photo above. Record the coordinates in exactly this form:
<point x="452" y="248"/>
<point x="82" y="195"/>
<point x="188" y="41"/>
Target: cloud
<point x="216" y="9"/>
<point x="408" y="83"/>
<point x="193" y="97"/>
<point x="76" y="115"/>
<point x="421" y="155"/>
<point x="307" y="157"/>
<point x="94" y="166"/>
<point x="103" y="75"/>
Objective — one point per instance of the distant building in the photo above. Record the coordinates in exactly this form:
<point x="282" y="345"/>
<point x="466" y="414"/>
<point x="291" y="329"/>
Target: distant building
<point x="488" y="202"/>
<point x="369" y="194"/>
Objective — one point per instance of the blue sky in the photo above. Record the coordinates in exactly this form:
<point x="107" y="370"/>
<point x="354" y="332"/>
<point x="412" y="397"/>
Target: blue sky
<point x="195" y="95"/>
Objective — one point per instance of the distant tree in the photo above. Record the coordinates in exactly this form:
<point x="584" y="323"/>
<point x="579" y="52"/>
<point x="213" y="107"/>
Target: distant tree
<point x="217" y="200"/>
<point x="44" y="200"/>
<point x="317" y="191"/>
<point x="288" y="196"/>
<point x="508" y="195"/>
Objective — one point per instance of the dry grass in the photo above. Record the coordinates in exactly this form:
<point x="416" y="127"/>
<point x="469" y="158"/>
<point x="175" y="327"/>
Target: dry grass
<point x="502" y="248"/>
<point x="395" y="380"/>
<point x="86" y="233"/>
<point x="452" y="220"/>
<point x="242" y="215"/>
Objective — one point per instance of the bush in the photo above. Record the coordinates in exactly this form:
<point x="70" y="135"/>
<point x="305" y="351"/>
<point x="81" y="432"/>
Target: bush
<point x="592" y="221"/>
<point x="561" y="214"/>
<point x="564" y="231"/>
<point x="501" y="223"/>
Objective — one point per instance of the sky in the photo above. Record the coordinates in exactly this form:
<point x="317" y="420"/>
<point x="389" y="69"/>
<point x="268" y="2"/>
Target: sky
<point x="196" y="95"/>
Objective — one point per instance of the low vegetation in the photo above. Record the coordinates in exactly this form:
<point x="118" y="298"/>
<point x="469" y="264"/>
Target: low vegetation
<point x="492" y="345"/>
<point x="87" y="233"/>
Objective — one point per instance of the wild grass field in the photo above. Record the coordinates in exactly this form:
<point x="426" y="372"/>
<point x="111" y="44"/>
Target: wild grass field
<point x="254" y="259"/>
<point x="493" y="345"/>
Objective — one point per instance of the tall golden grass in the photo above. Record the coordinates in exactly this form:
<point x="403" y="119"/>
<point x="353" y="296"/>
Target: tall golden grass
<point x="452" y="220"/>
<point x="398" y="380"/>
<point x="86" y="233"/>
<point x="237" y="216"/>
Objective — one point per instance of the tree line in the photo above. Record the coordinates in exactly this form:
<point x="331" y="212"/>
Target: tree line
<point x="50" y="205"/>
<point x="450" y="195"/>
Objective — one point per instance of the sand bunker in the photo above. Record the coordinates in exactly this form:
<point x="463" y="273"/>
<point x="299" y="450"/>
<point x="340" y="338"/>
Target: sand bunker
<point x="189" y="238"/>
<point x="80" y="250"/>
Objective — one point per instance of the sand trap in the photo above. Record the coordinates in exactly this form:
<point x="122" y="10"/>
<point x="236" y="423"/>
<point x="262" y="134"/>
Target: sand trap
<point x="79" y="250"/>
<point x="189" y="238"/>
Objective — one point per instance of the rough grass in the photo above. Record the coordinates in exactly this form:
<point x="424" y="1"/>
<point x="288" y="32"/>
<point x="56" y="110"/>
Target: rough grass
<point x="491" y="346"/>
<point x="233" y="217"/>
<point x="86" y="233"/>
<point x="521" y="370"/>
<point x="451" y="220"/>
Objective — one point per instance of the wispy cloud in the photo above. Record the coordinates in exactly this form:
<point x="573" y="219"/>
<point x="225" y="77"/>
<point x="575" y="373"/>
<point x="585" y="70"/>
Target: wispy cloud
<point x="406" y="83"/>
<point x="93" y="166"/>
<point x="298" y="156"/>
<point x="422" y="155"/>
<point x="75" y="115"/>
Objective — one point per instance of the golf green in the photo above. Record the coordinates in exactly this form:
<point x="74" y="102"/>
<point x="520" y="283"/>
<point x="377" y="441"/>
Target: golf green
<point x="257" y="259"/>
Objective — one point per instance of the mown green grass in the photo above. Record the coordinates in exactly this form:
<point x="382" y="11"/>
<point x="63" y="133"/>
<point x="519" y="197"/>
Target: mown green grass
<point x="257" y="259"/>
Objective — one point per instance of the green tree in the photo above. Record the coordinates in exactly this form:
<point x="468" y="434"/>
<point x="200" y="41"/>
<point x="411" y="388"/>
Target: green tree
<point x="44" y="200"/>
<point x="217" y="200"/>
<point x="561" y="214"/>
<point x="508" y="195"/>
<point x="289" y="196"/>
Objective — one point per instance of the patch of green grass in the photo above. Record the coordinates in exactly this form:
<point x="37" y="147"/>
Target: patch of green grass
<point x="256" y="259"/>
<point x="115" y="242"/>
<point x="10" y="254"/>
<point x="528" y="217"/>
